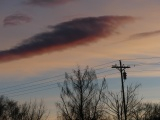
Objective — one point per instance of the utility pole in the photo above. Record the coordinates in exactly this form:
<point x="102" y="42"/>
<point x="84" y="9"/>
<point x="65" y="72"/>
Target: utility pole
<point x="122" y="68"/>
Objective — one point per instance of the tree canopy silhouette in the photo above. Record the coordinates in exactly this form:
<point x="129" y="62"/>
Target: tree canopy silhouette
<point x="81" y="96"/>
<point x="114" y="103"/>
<point x="11" y="110"/>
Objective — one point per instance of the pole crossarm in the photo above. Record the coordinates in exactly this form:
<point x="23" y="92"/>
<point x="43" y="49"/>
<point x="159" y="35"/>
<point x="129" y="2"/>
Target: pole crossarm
<point x="118" y="67"/>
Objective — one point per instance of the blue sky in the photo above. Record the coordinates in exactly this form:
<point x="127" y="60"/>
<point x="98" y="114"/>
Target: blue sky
<point x="122" y="29"/>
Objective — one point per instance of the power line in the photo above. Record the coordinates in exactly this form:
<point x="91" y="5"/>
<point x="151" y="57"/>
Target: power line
<point x="12" y="90"/>
<point x="141" y="58"/>
<point x="139" y="64"/>
<point x="23" y="87"/>
<point x="34" y="88"/>
<point x="142" y="64"/>
<point x="105" y="63"/>
<point x="40" y="80"/>
<point x="33" y="91"/>
<point x="46" y="88"/>
<point x="31" y="82"/>
<point x="141" y="70"/>
<point x="122" y="68"/>
<point x="38" y="85"/>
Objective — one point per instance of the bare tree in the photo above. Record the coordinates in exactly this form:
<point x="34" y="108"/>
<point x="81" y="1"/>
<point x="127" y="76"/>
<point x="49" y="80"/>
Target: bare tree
<point x="81" y="96"/>
<point x="114" y="104"/>
<point x="8" y="108"/>
<point x="33" y="111"/>
<point x="11" y="110"/>
<point x="149" y="111"/>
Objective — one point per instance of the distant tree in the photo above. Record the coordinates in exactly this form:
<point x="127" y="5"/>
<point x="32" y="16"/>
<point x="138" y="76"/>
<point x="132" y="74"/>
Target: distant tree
<point x="114" y="104"/>
<point x="33" y="111"/>
<point x="81" y="96"/>
<point x="11" y="110"/>
<point x="8" y="109"/>
<point x="149" y="111"/>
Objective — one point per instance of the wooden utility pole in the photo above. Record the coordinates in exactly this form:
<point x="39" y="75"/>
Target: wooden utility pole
<point x="122" y="68"/>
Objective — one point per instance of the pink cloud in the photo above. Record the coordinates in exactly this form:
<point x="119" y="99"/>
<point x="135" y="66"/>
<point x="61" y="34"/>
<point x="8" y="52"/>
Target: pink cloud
<point x="77" y="32"/>
<point x="16" y="19"/>
<point x="145" y="34"/>
<point x="47" y="2"/>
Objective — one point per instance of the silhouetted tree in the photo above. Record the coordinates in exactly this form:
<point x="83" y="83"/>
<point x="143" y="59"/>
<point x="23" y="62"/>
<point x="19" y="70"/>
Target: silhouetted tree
<point x="33" y="111"/>
<point x="81" y="96"/>
<point x="114" y="104"/>
<point x="11" y="110"/>
<point x="149" y="111"/>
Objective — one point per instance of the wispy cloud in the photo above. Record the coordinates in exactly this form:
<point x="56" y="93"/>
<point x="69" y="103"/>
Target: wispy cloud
<point x="16" y="19"/>
<point x="144" y="34"/>
<point x="46" y="2"/>
<point x="66" y="35"/>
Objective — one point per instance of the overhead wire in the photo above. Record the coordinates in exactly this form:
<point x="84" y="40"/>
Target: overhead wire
<point x="142" y="70"/>
<point x="39" y="85"/>
<point x="56" y="76"/>
<point x="157" y="57"/>
<point x="15" y="94"/>
<point x="39" y="80"/>
<point x="23" y="87"/>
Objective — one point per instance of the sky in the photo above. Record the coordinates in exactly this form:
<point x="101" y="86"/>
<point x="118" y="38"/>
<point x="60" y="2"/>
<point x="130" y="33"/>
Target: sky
<point x="40" y="39"/>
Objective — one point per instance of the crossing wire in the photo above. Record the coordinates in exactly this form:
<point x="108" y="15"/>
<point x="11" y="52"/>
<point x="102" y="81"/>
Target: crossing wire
<point x="39" y="85"/>
<point x="56" y="76"/>
<point x="70" y="73"/>
<point x="15" y="94"/>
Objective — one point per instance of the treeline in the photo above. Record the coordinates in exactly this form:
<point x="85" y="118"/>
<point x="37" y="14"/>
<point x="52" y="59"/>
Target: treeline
<point x="84" y="97"/>
<point x="11" y="110"/>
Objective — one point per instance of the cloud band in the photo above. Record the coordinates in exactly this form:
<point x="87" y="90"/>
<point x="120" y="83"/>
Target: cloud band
<point x="66" y="35"/>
